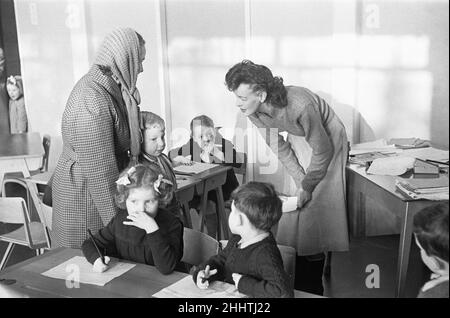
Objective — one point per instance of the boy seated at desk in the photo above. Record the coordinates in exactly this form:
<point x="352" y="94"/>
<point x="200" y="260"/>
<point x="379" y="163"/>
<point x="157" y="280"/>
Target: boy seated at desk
<point x="251" y="260"/>
<point x="431" y="234"/>
<point x="143" y="231"/>
<point x="207" y="145"/>
<point x="153" y="146"/>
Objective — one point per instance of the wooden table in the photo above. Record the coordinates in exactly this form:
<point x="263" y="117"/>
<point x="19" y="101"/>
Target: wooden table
<point x="20" y="153"/>
<point x="364" y="189"/>
<point x="140" y="281"/>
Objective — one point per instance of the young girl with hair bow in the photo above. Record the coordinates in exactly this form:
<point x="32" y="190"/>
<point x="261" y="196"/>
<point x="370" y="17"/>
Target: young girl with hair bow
<point x="143" y="231"/>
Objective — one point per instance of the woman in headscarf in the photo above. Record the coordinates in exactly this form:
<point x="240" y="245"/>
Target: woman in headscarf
<point x="314" y="155"/>
<point x="99" y="127"/>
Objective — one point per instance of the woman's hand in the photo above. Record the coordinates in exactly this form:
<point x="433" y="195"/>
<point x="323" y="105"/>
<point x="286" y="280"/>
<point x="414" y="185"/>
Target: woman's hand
<point x="303" y="197"/>
<point x="203" y="275"/>
<point x="99" y="266"/>
<point x="143" y="221"/>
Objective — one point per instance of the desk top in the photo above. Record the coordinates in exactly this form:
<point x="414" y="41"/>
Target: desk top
<point x="212" y="172"/>
<point x="141" y="281"/>
<point x="21" y="145"/>
<point x="385" y="182"/>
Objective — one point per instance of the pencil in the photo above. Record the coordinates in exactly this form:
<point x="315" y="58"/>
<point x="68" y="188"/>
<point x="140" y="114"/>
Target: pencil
<point x="96" y="247"/>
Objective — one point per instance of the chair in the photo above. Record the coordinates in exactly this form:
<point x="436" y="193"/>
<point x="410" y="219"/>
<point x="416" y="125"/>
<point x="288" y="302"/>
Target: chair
<point x="288" y="255"/>
<point x="41" y="176"/>
<point x="198" y="247"/>
<point x="31" y="234"/>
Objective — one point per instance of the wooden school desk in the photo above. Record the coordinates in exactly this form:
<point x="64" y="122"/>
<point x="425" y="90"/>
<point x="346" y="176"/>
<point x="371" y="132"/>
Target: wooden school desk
<point x="364" y="190"/>
<point x="211" y="180"/>
<point x="141" y="281"/>
<point x="20" y="153"/>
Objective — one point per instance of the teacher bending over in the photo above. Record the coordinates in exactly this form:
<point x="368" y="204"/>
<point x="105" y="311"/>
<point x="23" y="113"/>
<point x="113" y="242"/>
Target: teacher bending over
<point x="314" y="154"/>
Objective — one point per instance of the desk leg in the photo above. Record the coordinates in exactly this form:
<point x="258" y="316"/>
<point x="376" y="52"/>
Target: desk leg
<point x="403" y="251"/>
<point x="222" y="228"/>
<point x="202" y="211"/>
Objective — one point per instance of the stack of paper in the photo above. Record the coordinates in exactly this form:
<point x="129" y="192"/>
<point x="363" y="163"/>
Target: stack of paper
<point x="379" y="145"/>
<point x="431" y="189"/>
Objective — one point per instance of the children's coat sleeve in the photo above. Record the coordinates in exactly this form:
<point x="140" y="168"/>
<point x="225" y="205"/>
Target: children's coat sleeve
<point x="104" y="240"/>
<point x="275" y="282"/>
<point x="166" y="249"/>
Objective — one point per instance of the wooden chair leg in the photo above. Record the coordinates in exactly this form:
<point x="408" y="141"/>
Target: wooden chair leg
<point x="8" y="253"/>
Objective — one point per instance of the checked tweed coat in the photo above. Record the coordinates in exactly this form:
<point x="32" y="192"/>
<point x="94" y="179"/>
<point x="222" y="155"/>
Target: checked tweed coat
<point x="96" y="137"/>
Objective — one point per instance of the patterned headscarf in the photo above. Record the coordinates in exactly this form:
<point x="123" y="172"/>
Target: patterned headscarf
<point x="120" y="53"/>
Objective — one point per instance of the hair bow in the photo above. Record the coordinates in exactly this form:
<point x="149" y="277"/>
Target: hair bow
<point x="125" y="180"/>
<point x="12" y="80"/>
<point x="157" y="182"/>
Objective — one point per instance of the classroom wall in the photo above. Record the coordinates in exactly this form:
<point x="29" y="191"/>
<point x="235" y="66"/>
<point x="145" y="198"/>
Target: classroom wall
<point x="382" y="65"/>
<point x="58" y="41"/>
<point x="403" y="70"/>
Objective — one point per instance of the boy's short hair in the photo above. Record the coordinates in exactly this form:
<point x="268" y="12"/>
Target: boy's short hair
<point x="259" y="202"/>
<point x="431" y="230"/>
<point x="201" y="120"/>
<point x="150" y="119"/>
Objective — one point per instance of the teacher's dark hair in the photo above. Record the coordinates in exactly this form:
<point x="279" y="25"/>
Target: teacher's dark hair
<point x="260" y="78"/>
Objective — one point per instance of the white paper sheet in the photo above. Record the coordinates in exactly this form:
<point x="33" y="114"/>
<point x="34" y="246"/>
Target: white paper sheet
<point x="185" y="288"/>
<point x="197" y="167"/>
<point x="79" y="265"/>
<point x="391" y="166"/>
<point x="289" y="204"/>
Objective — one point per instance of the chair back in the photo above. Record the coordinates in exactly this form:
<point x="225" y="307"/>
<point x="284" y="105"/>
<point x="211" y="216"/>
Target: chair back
<point x="55" y="152"/>
<point x="241" y="157"/>
<point x="44" y="211"/>
<point x="13" y="210"/>
<point x="46" y="144"/>
<point x="198" y="247"/>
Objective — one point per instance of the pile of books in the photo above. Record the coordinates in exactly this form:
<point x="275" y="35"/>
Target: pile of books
<point x="430" y="189"/>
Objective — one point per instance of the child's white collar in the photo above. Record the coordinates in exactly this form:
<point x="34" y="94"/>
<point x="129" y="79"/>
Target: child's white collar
<point x="253" y="240"/>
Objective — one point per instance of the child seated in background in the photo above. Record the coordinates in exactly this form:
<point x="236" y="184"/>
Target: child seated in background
<point x="251" y="260"/>
<point x="153" y="146"/>
<point x="17" y="112"/>
<point x="143" y="231"/>
<point x="431" y="234"/>
<point x="206" y="145"/>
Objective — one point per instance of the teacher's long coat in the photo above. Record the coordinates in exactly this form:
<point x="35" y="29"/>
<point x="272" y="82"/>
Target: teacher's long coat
<point x="315" y="155"/>
<point x="96" y="139"/>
